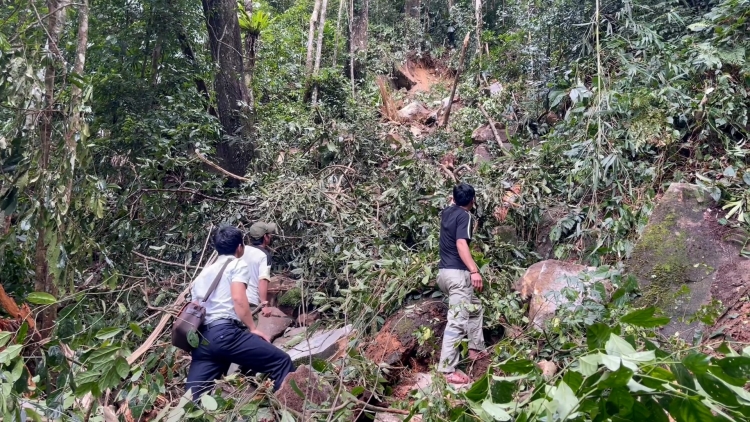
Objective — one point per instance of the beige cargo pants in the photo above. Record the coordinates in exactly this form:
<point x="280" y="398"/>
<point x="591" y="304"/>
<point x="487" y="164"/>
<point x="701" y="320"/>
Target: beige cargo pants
<point x="464" y="317"/>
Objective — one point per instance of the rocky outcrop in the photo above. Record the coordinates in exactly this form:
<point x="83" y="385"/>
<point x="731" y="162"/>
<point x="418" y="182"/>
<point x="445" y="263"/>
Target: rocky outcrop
<point x="543" y="285"/>
<point x="682" y="261"/>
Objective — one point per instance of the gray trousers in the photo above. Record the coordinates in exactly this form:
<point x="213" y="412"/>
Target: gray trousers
<point x="464" y="317"/>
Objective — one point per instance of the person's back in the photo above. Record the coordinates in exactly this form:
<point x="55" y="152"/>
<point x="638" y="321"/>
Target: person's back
<point x="458" y="276"/>
<point x="228" y="334"/>
<point x="455" y="223"/>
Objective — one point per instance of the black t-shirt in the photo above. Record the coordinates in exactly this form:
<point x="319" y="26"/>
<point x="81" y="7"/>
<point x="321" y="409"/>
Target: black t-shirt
<point x="455" y="223"/>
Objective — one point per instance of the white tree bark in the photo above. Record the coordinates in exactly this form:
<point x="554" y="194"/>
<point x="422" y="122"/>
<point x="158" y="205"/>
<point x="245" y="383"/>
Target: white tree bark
<point x="311" y="38"/>
<point x="478" y="17"/>
<point x="318" y="53"/>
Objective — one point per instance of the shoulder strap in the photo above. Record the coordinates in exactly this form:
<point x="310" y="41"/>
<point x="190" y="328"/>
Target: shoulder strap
<point x="217" y="280"/>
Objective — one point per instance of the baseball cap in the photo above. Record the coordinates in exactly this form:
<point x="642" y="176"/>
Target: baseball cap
<point x="260" y="228"/>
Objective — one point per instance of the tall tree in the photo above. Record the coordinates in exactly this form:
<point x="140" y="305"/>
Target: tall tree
<point x="232" y="96"/>
<point x="359" y="21"/>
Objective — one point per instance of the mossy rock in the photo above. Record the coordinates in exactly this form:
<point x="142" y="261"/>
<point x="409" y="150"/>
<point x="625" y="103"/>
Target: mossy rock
<point x="681" y="259"/>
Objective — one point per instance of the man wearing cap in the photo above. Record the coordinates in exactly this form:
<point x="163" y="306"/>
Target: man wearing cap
<point x="258" y="258"/>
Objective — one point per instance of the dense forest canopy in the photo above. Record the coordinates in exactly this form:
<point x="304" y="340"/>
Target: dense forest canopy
<point x="129" y="130"/>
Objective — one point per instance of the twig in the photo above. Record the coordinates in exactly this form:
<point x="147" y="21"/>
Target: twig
<point x="202" y="195"/>
<point x="173" y="264"/>
<point x="494" y="130"/>
<point x="455" y="81"/>
<point x="448" y="172"/>
<point x="220" y="169"/>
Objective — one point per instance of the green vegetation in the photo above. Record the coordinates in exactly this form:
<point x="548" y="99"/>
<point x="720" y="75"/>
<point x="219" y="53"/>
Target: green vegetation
<point x="114" y="117"/>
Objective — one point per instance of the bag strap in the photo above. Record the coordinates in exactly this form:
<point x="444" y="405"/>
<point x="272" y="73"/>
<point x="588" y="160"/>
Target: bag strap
<point x="216" y="280"/>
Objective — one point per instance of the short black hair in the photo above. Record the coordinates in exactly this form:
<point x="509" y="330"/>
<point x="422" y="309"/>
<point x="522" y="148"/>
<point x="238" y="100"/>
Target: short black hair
<point x="227" y="239"/>
<point x="256" y="241"/>
<point x="463" y="194"/>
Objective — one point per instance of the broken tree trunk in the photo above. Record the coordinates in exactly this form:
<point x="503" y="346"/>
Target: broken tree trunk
<point x="455" y="82"/>
<point x="494" y="130"/>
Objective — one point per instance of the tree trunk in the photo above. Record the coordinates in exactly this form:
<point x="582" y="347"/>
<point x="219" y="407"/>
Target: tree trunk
<point x="338" y="32"/>
<point x="311" y="39"/>
<point x="455" y="82"/>
<point x="412" y="8"/>
<point x="479" y="17"/>
<point x="232" y="95"/>
<point x="319" y="51"/>
<point x="358" y="35"/>
<point x="44" y="280"/>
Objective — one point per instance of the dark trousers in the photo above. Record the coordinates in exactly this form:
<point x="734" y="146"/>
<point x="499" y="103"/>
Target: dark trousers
<point x="230" y="343"/>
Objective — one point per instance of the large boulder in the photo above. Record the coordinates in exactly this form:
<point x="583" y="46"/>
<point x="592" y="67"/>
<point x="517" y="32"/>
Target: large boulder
<point x="315" y="391"/>
<point x="320" y="345"/>
<point x="682" y="261"/>
<point x="544" y="283"/>
<point x="413" y="112"/>
<point x="397" y="341"/>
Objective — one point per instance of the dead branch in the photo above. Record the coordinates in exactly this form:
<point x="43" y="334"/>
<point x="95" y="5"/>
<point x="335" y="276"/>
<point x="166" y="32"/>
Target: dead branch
<point x="202" y="195"/>
<point x="173" y="264"/>
<point x="218" y="168"/>
<point x="22" y="313"/>
<point x="455" y="81"/>
<point x="388" y="109"/>
<point x="494" y="130"/>
<point x="448" y="172"/>
<point x="158" y="330"/>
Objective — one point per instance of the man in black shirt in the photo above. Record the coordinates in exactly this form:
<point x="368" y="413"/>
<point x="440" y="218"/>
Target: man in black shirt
<point x="458" y="276"/>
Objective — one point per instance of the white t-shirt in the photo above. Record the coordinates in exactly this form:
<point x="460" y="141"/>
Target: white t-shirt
<point x="257" y="263"/>
<point x="220" y="305"/>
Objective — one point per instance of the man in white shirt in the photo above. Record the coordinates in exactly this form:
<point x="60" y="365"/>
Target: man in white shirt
<point x="228" y="334"/>
<point x="258" y="259"/>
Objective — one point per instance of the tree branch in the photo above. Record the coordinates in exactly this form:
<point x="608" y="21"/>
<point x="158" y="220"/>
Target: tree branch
<point x="219" y="169"/>
<point x="173" y="264"/>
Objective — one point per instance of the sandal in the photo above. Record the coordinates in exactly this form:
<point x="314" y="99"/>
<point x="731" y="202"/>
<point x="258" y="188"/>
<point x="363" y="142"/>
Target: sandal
<point x="457" y="378"/>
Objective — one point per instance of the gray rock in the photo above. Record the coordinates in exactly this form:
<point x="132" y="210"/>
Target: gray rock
<point x="683" y="262"/>
<point x="320" y="345"/>
<point x="290" y="338"/>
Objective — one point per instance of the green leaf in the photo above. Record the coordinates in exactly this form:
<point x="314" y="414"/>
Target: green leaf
<point x="619" y="378"/>
<point x="110" y="379"/>
<point x="135" y="329"/>
<point x="495" y="411"/>
<point x="41" y="298"/>
<point x="502" y="391"/>
<point x="617" y="346"/>
<point x="658" y="413"/>
<point x="736" y="366"/>
<point x="566" y="400"/>
<point x="107" y="333"/>
<point x="690" y="410"/>
<point x="5" y="338"/>
<point x="622" y="399"/>
<point x="10" y="353"/>
<point x="209" y="403"/>
<point x="521" y="366"/>
<point x="717" y="390"/>
<point x="696" y="362"/>
<point x="193" y="339"/>
<point x="479" y="389"/>
<point x="720" y="374"/>
<point x="597" y="336"/>
<point x="683" y="375"/>
<point x="698" y="26"/>
<point x="122" y="367"/>
<point x="645" y="318"/>
<point x="296" y="389"/>
<point x="573" y="379"/>
<point x="356" y="391"/>
<point x="102" y="355"/>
